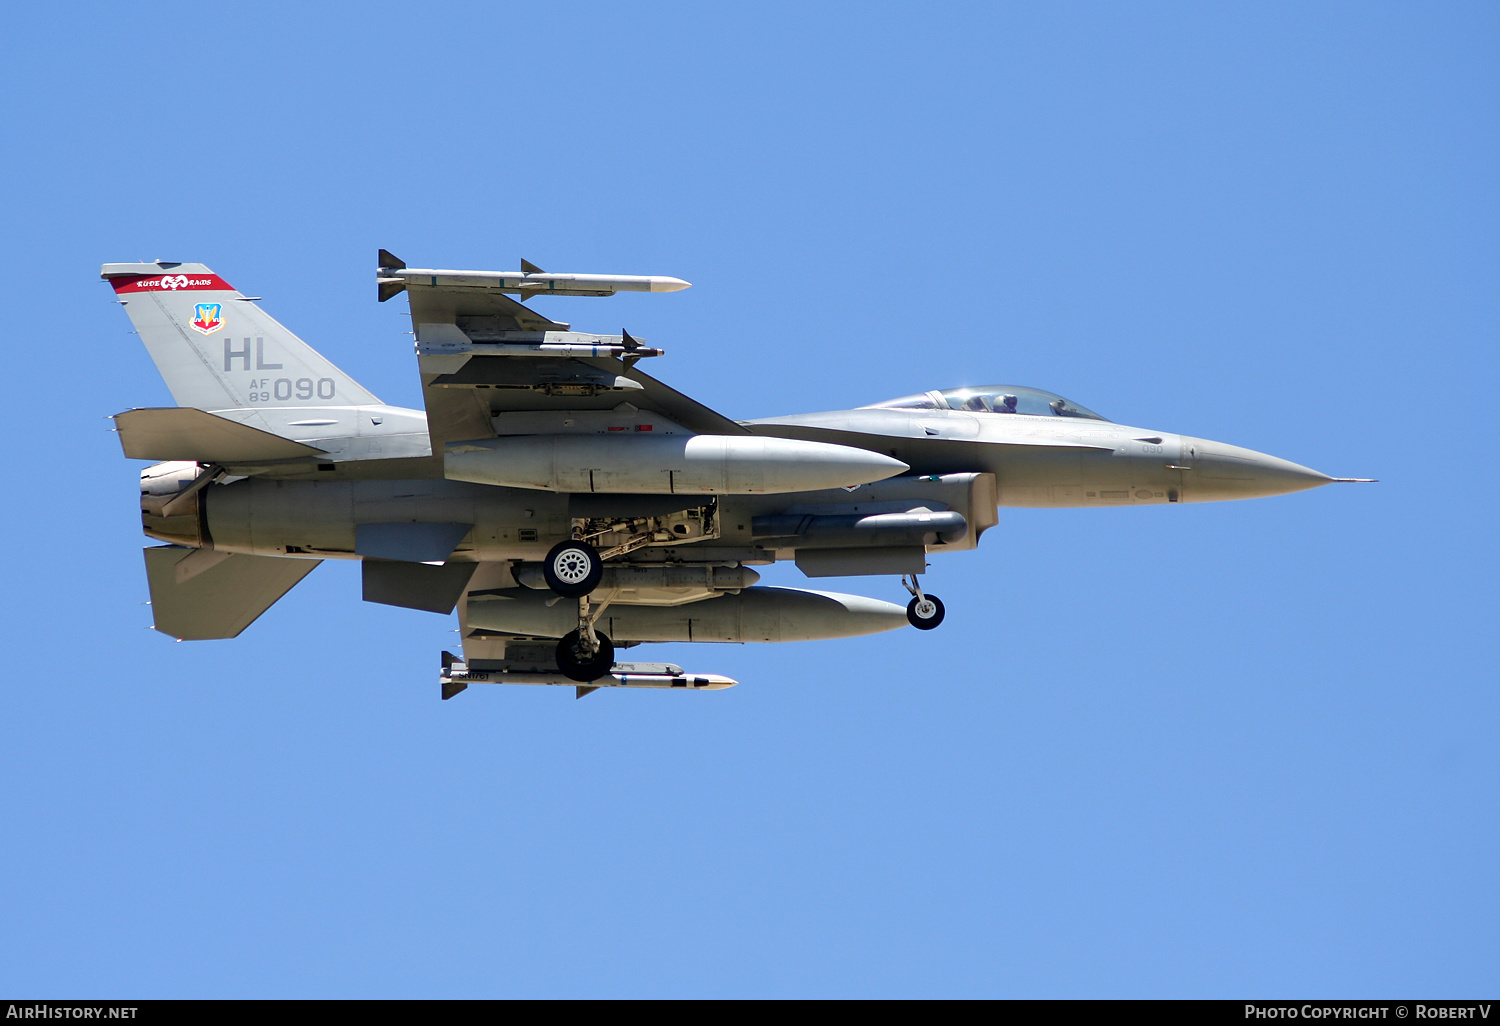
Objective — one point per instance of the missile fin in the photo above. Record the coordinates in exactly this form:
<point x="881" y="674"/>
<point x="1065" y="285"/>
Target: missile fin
<point x="526" y="265"/>
<point x="389" y="259"/>
<point x="451" y="687"/>
<point x="585" y="689"/>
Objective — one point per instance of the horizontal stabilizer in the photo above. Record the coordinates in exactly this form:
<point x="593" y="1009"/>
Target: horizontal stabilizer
<point x="222" y="598"/>
<point x="183" y="433"/>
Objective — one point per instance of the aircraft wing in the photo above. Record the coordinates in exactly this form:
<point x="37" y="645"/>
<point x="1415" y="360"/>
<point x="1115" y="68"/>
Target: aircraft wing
<point x="484" y="355"/>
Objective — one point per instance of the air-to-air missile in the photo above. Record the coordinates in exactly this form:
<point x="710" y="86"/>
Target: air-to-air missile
<point x="457" y="675"/>
<point x="531" y="280"/>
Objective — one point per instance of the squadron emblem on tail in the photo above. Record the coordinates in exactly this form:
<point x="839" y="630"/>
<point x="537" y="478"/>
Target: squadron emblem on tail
<point x="207" y="318"/>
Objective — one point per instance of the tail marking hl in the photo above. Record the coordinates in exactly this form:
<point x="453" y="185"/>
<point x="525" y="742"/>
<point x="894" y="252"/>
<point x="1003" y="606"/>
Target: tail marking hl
<point x="231" y="353"/>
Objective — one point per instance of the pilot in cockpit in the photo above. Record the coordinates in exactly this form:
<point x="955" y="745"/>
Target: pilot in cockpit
<point x="1007" y="404"/>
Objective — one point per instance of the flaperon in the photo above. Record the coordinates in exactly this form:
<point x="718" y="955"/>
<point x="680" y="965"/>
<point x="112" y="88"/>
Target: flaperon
<point x="568" y="504"/>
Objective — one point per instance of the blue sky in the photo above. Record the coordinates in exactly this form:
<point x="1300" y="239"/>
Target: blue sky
<point x="1217" y="750"/>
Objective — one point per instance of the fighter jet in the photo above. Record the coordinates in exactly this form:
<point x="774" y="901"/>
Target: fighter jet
<point x="567" y="504"/>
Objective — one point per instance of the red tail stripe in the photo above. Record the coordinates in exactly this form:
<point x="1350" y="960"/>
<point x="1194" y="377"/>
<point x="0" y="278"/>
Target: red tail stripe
<point x="171" y="283"/>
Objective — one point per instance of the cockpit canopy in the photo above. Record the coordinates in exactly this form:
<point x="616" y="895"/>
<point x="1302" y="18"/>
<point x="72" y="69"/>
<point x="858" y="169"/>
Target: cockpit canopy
<point x="1031" y="402"/>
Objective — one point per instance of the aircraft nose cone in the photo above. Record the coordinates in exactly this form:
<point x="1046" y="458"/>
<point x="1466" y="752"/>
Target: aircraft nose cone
<point x="1220" y="471"/>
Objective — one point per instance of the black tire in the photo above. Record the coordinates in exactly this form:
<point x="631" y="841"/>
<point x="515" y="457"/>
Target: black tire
<point x="574" y="665"/>
<point x="573" y="569"/>
<point x="925" y="618"/>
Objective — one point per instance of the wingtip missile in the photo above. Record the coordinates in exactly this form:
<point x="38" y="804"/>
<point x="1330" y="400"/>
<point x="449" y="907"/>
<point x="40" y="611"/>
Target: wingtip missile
<point x="394" y="275"/>
<point x="386" y="265"/>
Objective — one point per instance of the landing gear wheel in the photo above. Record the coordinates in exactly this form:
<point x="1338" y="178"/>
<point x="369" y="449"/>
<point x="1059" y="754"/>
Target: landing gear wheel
<point x="577" y="665"/>
<point x="573" y="569"/>
<point x="925" y="612"/>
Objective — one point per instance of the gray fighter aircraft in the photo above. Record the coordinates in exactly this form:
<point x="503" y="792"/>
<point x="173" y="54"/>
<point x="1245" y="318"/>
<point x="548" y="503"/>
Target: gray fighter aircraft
<point x="568" y="504"/>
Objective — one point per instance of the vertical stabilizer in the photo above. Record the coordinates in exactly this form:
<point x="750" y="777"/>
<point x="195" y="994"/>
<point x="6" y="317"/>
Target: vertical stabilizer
<point x="216" y="349"/>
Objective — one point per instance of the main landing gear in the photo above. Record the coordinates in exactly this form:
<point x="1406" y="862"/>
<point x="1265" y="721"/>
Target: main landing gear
<point x="573" y="569"/>
<point x="580" y="661"/>
<point x="924" y="612"/>
<point x="586" y="654"/>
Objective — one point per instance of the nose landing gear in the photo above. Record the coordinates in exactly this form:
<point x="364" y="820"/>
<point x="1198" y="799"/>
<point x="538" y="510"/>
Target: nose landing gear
<point x="924" y="612"/>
